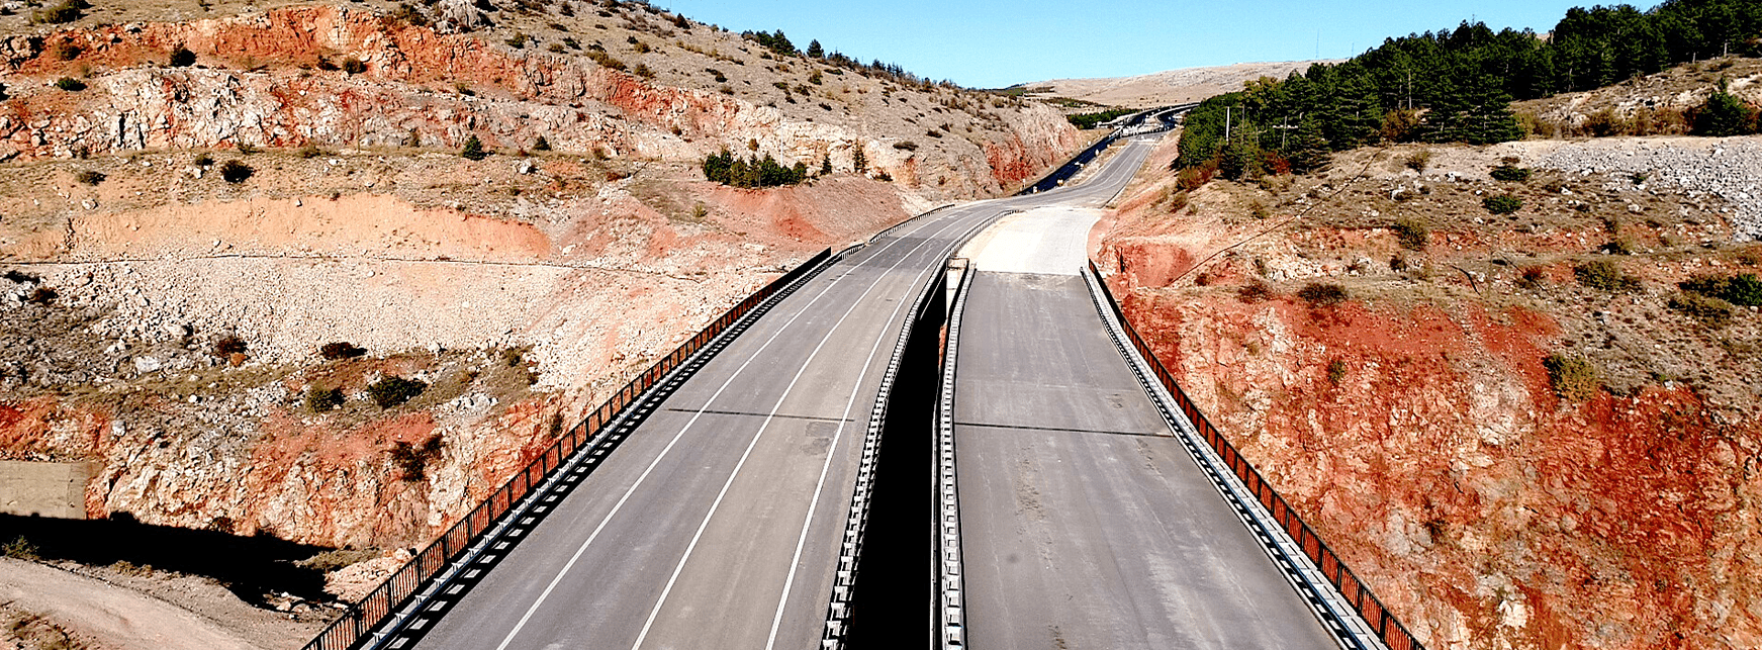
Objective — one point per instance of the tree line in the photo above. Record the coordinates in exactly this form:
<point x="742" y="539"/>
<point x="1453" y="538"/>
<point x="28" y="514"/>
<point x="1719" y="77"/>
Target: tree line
<point x="1457" y="85"/>
<point x="779" y="44"/>
<point x="754" y="172"/>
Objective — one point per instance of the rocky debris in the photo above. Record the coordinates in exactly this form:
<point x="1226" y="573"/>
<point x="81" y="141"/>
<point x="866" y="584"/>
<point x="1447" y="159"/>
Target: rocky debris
<point x="1729" y="168"/>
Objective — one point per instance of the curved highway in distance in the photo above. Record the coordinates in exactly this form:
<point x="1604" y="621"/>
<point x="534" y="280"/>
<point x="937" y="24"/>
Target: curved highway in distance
<point x="717" y="523"/>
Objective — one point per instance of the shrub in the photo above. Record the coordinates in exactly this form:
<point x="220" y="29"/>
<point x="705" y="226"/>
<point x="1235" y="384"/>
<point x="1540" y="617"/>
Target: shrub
<point x="606" y="60"/>
<point x="1711" y="312"/>
<point x="229" y="345"/>
<point x="1605" y="275"/>
<point x="413" y="459"/>
<point x="1573" y="378"/>
<point x="236" y="171"/>
<point x="309" y="151"/>
<point x="642" y="70"/>
<point x="89" y="177"/>
<point x="1255" y="291"/>
<point x="1419" y="160"/>
<point x="1532" y="278"/>
<point x="473" y="149"/>
<point x="392" y="391"/>
<point x="518" y="41"/>
<point x="42" y="296"/>
<point x="320" y="400"/>
<point x="541" y="144"/>
<point x="20" y="549"/>
<point x="1336" y="372"/>
<point x="1743" y="289"/>
<point x="203" y="160"/>
<point x="1510" y="173"/>
<point x="1412" y="233"/>
<point x="65" y="50"/>
<point x="340" y="350"/>
<point x="906" y="145"/>
<point x="1322" y="295"/>
<point x="354" y="66"/>
<point x="1502" y="204"/>
<point x="66" y="12"/>
<point x="70" y="84"/>
<point x="182" y="57"/>
<point x="1724" y="114"/>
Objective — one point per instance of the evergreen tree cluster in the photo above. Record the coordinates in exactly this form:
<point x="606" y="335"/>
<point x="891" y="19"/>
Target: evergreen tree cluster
<point x="1457" y="85"/>
<point x="779" y="44"/>
<point x="752" y="172"/>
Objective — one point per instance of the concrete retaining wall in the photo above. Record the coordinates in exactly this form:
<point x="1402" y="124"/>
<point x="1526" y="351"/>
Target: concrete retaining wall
<point x="44" y="489"/>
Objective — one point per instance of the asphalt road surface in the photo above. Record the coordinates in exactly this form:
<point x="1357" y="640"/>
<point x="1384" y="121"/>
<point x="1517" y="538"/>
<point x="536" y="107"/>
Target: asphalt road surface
<point x="1085" y="524"/>
<point x="717" y="523"/>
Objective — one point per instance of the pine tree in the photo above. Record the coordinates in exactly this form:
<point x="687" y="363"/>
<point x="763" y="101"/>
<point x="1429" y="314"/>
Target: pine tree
<point x="815" y="51"/>
<point x="473" y="149"/>
<point x="858" y="161"/>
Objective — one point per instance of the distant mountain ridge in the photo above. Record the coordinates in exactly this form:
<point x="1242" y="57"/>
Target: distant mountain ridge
<point x="1167" y="87"/>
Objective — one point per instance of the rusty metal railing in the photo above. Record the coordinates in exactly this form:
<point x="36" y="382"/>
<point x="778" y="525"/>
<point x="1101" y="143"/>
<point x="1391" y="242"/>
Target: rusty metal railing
<point x="363" y="618"/>
<point x="1366" y="604"/>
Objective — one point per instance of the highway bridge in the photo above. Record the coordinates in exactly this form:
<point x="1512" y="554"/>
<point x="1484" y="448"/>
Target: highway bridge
<point x="782" y="486"/>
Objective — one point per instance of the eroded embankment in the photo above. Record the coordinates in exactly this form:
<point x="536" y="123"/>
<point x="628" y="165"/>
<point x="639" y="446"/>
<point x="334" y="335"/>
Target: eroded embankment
<point x="1411" y="416"/>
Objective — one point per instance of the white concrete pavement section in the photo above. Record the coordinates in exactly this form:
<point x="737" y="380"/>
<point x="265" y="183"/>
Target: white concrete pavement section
<point x="1048" y="241"/>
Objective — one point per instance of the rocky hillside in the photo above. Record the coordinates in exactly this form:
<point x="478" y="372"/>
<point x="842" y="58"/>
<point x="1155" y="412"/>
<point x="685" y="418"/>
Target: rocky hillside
<point x="224" y="228"/>
<point x="624" y="79"/>
<point x="1499" y="420"/>
<point x="1648" y="105"/>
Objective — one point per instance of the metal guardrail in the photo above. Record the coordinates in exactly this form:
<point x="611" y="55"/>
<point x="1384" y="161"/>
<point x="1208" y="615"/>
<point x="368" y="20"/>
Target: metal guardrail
<point x="363" y="621"/>
<point x="951" y="581"/>
<point x="1381" y="623"/>
<point x="1134" y="126"/>
<point x="850" y="549"/>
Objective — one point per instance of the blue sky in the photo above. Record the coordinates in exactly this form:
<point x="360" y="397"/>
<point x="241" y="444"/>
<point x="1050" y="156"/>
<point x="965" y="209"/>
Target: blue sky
<point x="990" y="43"/>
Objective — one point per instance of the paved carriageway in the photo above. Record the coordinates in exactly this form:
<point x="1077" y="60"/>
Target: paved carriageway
<point x="717" y="523"/>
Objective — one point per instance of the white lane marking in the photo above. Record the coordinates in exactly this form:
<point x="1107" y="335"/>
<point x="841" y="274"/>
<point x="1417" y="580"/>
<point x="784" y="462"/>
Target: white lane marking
<point x="651" y="468"/>
<point x="665" y="451"/>
<point x="714" y="505"/>
<point x="832" y="452"/>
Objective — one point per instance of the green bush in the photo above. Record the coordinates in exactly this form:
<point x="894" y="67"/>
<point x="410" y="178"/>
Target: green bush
<point x="20" y="549"/>
<point x="1323" y="295"/>
<point x="1336" y="372"/>
<point x="203" y="160"/>
<point x="1605" y="275"/>
<point x="1510" y="173"/>
<point x="1743" y="289"/>
<point x="1419" y="160"/>
<point x="1412" y="233"/>
<point x="236" y="171"/>
<point x="1502" y="204"/>
<point x="320" y="400"/>
<point x="1711" y="312"/>
<point x="1724" y="114"/>
<point x="1573" y="378"/>
<point x="752" y="172"/>
<point x="89" y="177"/>
<point x="392" y="391"/>
<point x="70" y="84"/>
<point x="473" y="149"/>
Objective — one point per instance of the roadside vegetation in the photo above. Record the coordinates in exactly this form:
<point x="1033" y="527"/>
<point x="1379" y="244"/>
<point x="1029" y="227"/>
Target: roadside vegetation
<point x="1088" y="121"/>
<point x="1458" y="85"/>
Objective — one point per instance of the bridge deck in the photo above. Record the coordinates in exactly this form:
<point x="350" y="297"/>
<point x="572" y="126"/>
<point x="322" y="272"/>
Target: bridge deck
<point x="1085" y="524"/>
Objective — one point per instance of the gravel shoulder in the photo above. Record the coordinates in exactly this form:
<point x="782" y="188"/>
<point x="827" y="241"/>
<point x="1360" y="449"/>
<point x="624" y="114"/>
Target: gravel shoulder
<point x="101" y="608"/>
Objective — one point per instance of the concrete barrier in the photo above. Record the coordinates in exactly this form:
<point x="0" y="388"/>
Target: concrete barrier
<point x="37" y="489"/>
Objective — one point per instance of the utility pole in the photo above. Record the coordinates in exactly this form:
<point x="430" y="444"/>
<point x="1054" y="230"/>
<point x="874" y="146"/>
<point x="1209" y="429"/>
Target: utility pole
<point x="1226" y="124"/>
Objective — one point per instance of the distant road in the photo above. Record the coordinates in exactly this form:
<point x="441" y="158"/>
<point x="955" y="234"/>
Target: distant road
<point x="717" y="523"/>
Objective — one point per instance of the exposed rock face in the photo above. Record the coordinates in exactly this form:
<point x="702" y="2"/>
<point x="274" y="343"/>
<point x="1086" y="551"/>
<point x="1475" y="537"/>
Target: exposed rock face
<point x="409" y="93"/>
<point x="1415" y="425"/>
